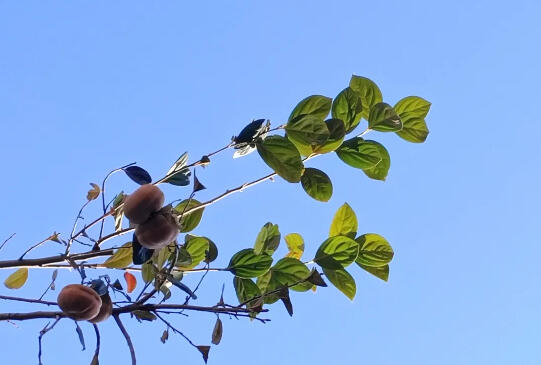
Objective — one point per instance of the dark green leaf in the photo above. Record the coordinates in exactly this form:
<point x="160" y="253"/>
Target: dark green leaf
<point x="282" y="156"/>
<point x="414" y="130"/>
<point x="144" y="315"/>
<point x="383" y="118"/>
<point x="289" y="271"/>
<point x="358" y="153"/>
<point x="381" y="272"/>
<point x="268" y="239"/>
<point x="183" y="257"/>
<point x="138" y="175"/>
<point x="374" y="250"/>
<point x="347" y="106"/>
<point x="189" y="221"/>
<point x="317" y="184"/>
<point x="379" y="172"/>
<point x="295" y="244"/>
<point x="337" y="131"/>
<point x="316" y="105"/>
<point x="368" y="91"/>
<point x="246" y="289"/>
<point x="344" y="222"/>
<point x="247" y="264"/>
<point x="212" y="252"/>
<point x="342" y="280"/>
<point x="307" y="132"/>
<point x="337" y="252"/>
<point x="180" y="178"/>
<point x="267" y="284"/>
<point x="249" y="134"/>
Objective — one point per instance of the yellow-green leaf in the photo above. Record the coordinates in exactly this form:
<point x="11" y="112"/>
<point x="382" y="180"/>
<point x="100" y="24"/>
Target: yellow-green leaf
<point x="121" y="258"/>
<point x="295" y="244"/>
<point x="17" y="279"/>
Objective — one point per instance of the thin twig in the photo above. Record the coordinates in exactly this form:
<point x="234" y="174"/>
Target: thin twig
<point x="70" y="241"/>
<point x="103" y="191"/>
<point x="26" y="300"/>
<point x="6" y="240"/>
<point x="170" y="326"/>
<point x="35" y="246"/>
<point x="127" y="337"/>
<point x="42" y="333"/>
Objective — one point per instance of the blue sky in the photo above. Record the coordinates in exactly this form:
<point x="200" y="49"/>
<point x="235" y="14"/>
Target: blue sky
<point x="88" y="87"/>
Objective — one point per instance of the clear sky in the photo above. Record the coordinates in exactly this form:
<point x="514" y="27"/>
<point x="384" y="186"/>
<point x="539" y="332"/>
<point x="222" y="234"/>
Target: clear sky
<point x="86" y="87"/>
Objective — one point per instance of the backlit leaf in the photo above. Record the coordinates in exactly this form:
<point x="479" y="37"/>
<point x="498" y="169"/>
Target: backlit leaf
<point x="17" y="279"/>
<point x="295" y="244"/>
<point x="344" y="222"/>
<point x="368" y="91"/>
<point x="337" y="252"/>
<point x="268" y="239"/>
<point x="189" y="221"/>
<point x="121" y="258"/>
<point x="317" y="184"/>
<point x="358" y="153"/>
<point x="316" y="105"/>
<point x="347" y="106"/>
<point x="342" y="280"/>
<point x="374" y="250"/>
<point x="247" y="264"/>
<point x="383" y="118"/>
<point x="131" y="281"/>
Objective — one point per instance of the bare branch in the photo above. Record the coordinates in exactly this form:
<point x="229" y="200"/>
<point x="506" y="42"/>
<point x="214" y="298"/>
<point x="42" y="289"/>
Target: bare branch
<point x="42" y="333"/>
<point x="127" y="337"/>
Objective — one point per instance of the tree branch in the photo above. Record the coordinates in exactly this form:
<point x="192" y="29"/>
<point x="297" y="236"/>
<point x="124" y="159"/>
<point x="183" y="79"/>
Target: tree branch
<point x="127" y="337"/>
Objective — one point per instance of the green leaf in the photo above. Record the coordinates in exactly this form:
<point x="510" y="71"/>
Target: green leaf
<point x="413" y="110"/>
<point x="144" y="315"/>
<point x="344" y="222"/>
<point x="337" y="252"/>
<point x="374" y="250"/>
<point x="162" y="255"/>
<point x="295" y="244"/>
<point x="196" y="248"/>
<point x="245" y="289"/>
<point x="343" y="281"/>
<point x="316" y="105"/>
<point x="307" y="132"/>
<point x="289" y="271"/>
<point x="415" y="106"/>
<point x="347" y="106"/>
<point x="383" y="118"/>
<point x="267" y="283"/>
<point x="268" y="239"/>
<point x="358" y="153"/>
<point x="183" y="257"/>
<point x="368" y="91"/>
<point x="381" y="272"/>
<point x="282" y="156"/>
<point x="189" y="221"/>
<point x="317" y="184"/>
<point x="17" y="279"/>
<point x="121" y="258"/>
<point x="148" y="272"/>
<point x="379" y="172"/>
<point x="212" y="252"/>
<point x="247" y="264"/>
<point x="337" y="131"/>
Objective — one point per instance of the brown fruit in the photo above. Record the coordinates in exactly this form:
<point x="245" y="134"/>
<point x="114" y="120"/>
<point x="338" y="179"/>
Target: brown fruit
<point x="79" y="302"/>
<point x="142" y="203"/>
<point x="106" y="309"/>
<point x="157" y="232"/>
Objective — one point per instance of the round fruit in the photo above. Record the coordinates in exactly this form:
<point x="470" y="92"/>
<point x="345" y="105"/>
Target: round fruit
<point x="157" y="232"/>
<point x="106" y="309"/>
<point x="142" y="203"/>
<point x="79" y="302"/>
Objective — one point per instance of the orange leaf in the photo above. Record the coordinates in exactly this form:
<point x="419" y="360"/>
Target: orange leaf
<point x="131" y="281"/>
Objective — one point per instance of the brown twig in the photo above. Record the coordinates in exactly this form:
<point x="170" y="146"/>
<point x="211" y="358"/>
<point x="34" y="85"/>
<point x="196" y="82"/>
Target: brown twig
<point x="26" y="300"/>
